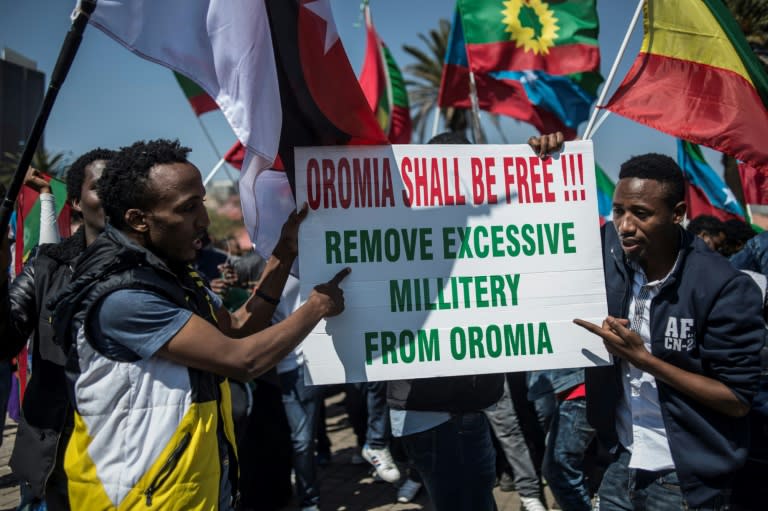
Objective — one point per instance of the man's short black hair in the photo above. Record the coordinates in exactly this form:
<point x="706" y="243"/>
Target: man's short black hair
<point x="76" y="172"/>
<point x="449" y="137"/>
<point x="706" y="223"/>
<point x="658" y="167"/>
<point x="124" y="183"/>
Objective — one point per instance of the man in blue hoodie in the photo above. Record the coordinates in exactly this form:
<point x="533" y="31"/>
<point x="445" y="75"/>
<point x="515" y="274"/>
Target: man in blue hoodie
<point x="685" y="330"/>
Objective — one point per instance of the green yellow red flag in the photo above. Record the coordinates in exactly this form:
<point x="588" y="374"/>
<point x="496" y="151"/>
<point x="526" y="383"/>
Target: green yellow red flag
<point x="696" y="78"/>
<point x="558" y="37"/>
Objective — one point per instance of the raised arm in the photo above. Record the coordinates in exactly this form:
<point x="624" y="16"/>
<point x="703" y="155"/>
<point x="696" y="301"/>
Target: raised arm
<point x="201" y="345"/>
<point x="256" y="313"/>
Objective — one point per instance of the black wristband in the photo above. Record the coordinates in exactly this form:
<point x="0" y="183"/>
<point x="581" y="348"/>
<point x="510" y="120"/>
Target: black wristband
<point x="268" y="299"/>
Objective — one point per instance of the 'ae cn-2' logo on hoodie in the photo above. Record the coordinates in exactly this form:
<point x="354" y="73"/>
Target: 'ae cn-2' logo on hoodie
<point x="680" y="334"/>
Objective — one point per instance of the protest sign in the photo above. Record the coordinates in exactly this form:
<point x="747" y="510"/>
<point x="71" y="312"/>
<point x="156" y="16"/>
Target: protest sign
<point x="466" y="259"/>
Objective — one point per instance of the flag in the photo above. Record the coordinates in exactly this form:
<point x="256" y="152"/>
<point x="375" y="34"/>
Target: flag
<point x="321" y="99"/>
<point x="754" y="183"/>
<point x="605" y="189"/>
<point x="557" y="37"/>
<point x="236" y="155"/>
<point x="198" y="99"/>
<point x="28" y="219"/>
<point x="697" y="79"/>
<point x="276" y="68"/>
<point x="705" y="193"/>
<point x="224" y="46"/>
<point x="550" y="103"/>
<point x="384" y="87"/>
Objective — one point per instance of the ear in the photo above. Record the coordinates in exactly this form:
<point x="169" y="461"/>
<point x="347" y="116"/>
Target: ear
<point x="678" y="212"/>
<point x="136" y="219"/>
<point x="75" y="204"/>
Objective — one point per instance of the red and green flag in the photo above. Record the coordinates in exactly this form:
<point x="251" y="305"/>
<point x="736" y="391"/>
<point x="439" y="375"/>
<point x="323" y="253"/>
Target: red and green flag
<point x="557" y="37"/>
<point x="198" y="99"/>
<point x="696" y="78"/>
<point x="28" y="218"/>
<point x="384" y="87"/>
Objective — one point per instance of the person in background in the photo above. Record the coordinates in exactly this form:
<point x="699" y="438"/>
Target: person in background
<point x="737" y="234"/>
<point x="709" y="229"/>
<point x="46" y="420"/>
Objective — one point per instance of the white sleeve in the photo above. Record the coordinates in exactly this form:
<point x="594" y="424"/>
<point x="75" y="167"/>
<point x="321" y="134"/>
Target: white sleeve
<point x="49" y="230"/>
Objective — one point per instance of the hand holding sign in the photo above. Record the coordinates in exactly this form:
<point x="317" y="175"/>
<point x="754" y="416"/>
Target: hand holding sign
<point x="331" y="294"/>
<point x="547" y="144"/>
<point x="288" y="244"/>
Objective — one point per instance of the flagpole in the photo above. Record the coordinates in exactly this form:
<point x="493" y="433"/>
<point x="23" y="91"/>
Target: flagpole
<point x="215" y="149"/>
<point x="477" y="130"/>
<point x="436" y="120"/>
<point x="614" y="67"/>
<point x="600" y="121"/>
<point x="214" y="171"/>
<point x="64" y="61"/>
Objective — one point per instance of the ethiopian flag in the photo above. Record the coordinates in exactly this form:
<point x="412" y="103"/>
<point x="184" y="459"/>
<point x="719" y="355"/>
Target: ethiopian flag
<point x="557" y="37"/>
<point x="384" y="87"/>
<point x="696" y="78"/>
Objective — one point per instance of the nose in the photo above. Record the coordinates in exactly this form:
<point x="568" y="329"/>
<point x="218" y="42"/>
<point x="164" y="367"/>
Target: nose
<point x="625" y="224"/>
<point x="204" y="220"/>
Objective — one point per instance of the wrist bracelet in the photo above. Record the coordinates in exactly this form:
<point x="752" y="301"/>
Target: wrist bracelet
<point x="268" y="299"/>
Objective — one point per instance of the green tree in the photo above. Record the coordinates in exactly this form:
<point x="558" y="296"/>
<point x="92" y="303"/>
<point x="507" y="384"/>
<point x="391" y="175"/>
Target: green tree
<point x="752" y="17"/>
<point x="424" y="81"/>
<point x="424" y="85"/>
<point x="52" y="163"/>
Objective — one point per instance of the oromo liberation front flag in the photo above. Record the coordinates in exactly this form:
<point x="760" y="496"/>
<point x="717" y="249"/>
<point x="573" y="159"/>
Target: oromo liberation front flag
<point x="548" y="102"/>
<point x="384" y="87"/>
<point x="705" y="192"/>
<point x="557" y="37"/>
<point x="697" y="79"/>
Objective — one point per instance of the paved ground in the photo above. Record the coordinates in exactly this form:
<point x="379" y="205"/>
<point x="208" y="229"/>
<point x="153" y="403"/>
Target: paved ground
<point x="343" y="486"/>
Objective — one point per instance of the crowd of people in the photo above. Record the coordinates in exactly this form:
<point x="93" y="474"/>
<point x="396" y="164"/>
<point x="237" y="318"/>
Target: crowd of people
<point x="168" y="372"/>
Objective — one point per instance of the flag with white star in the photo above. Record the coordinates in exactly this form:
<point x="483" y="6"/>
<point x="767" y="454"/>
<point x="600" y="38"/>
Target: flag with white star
<point x="706" y="192"/>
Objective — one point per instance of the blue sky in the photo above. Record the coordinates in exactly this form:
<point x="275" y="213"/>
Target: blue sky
<point x="112" y="98"/>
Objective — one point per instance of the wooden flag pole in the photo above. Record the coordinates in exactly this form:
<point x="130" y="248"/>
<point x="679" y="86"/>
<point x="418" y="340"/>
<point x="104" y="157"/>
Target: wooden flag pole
<point x="590" y="125"/>
<point x="66" y="56"/>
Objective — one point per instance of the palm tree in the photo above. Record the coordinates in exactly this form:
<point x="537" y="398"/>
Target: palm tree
<point x="424" y="83"/>
<point x="53" y="164"/>
<point x="752" y="17"/>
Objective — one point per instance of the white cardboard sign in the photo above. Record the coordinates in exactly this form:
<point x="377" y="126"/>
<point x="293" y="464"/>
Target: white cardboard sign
<point x="466" y="259"/>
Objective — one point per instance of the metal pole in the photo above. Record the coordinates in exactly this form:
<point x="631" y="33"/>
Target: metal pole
<point x="214" y="171"/>
<point x="66" y="56"/>
<point x="215" y="150"/>
<point x="477" y="130"/>
<point x="607" y="84"/>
